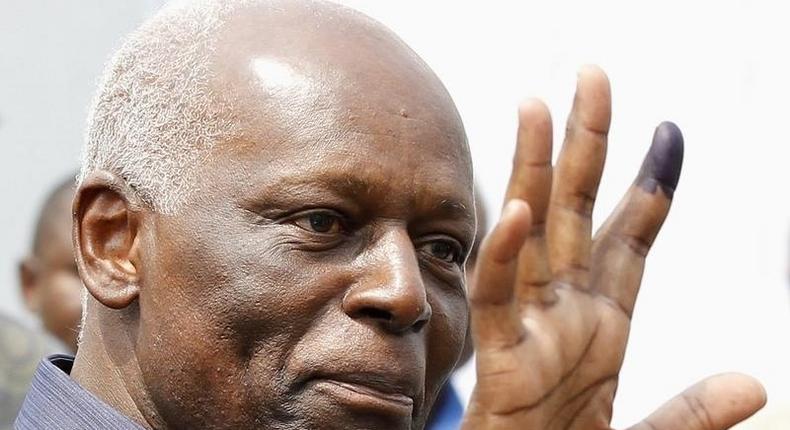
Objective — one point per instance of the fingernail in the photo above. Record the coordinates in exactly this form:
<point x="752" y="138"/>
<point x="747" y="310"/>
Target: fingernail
<point x="664" y="161"/>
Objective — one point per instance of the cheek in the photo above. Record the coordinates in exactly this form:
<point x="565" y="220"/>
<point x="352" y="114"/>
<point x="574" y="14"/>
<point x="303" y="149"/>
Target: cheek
<point x="245" y="306"/>
<point x="446" y="338"/>
<point x="244" y="297"/>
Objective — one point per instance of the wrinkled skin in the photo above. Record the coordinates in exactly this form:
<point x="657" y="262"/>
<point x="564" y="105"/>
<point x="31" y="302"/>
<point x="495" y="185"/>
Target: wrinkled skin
<point x="551" y="305"/>
<point x="315" y="280"/>
<point x="321" y="260"/>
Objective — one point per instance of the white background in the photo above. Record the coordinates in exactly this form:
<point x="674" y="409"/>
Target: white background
<point x="714" y="296"/>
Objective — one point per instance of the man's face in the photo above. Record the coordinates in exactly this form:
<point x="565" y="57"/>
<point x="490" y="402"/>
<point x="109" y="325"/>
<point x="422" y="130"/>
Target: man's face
<point x="316" y="280"/>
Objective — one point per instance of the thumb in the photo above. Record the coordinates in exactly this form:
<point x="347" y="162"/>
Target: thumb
<point x="716" y="403"/>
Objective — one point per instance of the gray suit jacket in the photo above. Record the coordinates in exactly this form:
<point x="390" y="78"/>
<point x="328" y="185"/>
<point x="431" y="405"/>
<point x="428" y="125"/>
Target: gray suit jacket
<point x="56" y="402"/>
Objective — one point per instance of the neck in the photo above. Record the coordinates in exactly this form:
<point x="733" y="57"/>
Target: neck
<point x="106" y="366"/>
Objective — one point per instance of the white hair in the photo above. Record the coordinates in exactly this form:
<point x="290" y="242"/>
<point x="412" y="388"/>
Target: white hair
<point x="156" y="114"/>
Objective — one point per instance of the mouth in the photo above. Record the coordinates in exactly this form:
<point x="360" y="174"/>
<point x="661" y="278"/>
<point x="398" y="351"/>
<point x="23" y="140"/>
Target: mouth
<point x="367" y="395"/>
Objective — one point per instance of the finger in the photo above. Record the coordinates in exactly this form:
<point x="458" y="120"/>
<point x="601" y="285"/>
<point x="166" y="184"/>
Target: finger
<point x="717" y="403"/>
<point x="578" y="173"/>
<point x="530" y="180"/>
<point x="625" y="238"/>
<point x="494" y="314"/>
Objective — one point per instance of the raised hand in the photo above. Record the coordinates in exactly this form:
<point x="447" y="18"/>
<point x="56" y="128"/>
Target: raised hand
<point x="551" y="305"/>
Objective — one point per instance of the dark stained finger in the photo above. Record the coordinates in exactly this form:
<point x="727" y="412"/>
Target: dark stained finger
<point x="493" y="308"/>
<point x="578" y="174"/>
<point x="661" y="168"/>
<point x="717" y="403"/>
<point x="624" y="240"/>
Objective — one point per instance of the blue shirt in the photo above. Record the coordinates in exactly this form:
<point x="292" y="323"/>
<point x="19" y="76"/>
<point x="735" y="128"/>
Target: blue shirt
<point x="448" y="412"/>
<point x="57" y="402"/>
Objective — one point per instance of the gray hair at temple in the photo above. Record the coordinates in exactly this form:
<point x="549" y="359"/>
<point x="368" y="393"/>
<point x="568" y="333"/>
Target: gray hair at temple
<point x="156" y="116"/>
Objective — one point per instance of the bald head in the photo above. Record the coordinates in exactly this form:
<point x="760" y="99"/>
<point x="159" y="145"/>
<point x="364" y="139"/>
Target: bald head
<point x="204" y="72"/>
<point x="308" y="206"/>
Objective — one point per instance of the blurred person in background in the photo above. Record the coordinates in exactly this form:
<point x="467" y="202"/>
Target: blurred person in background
<point x="21" y="348"/>
<point x="48" y="277"/>
<point x="51" y="289"/>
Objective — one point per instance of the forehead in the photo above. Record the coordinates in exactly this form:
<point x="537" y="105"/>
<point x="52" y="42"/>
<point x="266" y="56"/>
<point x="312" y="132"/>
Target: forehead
<point x="386" y="160"/>
<point x="281" y="65"/>
<point x="335" y="95"/>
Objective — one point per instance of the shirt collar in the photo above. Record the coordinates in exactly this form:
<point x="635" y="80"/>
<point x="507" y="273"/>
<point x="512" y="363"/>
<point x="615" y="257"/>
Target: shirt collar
<point x="57" y="402"/>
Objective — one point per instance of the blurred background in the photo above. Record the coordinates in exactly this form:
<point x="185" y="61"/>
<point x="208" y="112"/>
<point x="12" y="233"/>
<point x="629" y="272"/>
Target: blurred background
<point x="715" y="293"/>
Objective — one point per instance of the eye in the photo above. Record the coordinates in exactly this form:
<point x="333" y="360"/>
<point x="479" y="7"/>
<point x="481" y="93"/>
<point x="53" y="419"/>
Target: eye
<point x="444" y="250"/>
<point x="319" y="222"/>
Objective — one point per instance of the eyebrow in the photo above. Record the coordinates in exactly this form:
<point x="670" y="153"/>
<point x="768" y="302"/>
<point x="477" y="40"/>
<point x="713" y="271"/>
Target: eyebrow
<point x="341" y="185"/>
<point x="455" y="208"/>
<point x="427" y="199"/>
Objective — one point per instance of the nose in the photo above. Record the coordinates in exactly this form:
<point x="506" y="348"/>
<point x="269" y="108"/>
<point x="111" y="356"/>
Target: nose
<point x="390" y="293"/>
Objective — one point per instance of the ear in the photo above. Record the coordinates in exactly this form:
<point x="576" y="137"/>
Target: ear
<point x="28" y="283"/>
<point x="107" y="214"/>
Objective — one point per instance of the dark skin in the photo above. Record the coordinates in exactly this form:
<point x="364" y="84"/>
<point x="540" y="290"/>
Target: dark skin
<point x="471" y="261"/>
<point x="315" y="280"/>
<point x="549" y="293"/>
<point x="48" y="277"/>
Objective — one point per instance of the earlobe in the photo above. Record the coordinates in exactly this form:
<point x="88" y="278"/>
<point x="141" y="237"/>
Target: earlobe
<point x="107" y="215"/>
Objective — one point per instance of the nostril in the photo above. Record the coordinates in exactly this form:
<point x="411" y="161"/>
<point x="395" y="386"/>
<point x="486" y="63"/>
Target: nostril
<point x="375" y="313"/>
<point x="419" y="325"/>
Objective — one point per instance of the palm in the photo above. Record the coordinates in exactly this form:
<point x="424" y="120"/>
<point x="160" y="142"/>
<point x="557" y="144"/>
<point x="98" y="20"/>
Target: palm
<point x="579" y="375"/>
<point x="551" y="306"/>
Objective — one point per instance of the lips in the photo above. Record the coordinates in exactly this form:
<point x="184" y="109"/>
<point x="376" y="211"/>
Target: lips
<point x="374" y="380"/>
<point x="370" y="393"/>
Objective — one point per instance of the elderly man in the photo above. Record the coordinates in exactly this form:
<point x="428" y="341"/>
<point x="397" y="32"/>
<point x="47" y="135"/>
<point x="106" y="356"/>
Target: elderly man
<point x="272" y="219"/>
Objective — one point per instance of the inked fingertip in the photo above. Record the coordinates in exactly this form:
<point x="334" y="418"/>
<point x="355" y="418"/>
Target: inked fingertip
<point x="664" y="160"/>
<point x="667" y="152"/>
<point x="669" y="132"/>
